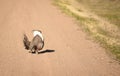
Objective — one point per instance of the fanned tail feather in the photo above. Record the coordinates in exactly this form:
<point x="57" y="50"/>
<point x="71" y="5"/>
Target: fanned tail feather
<point x="26" y="42"/>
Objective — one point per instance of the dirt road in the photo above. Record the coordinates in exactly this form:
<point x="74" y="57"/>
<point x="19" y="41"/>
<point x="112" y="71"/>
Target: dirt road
<point x="74" y="54"/>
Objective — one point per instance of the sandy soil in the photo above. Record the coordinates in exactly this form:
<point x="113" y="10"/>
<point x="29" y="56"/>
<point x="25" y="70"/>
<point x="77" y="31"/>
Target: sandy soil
<point x="74" y="54"/>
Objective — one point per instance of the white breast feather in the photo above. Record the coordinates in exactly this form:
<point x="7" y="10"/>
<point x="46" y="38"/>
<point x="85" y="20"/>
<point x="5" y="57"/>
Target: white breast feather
<point x="38" y="33"/>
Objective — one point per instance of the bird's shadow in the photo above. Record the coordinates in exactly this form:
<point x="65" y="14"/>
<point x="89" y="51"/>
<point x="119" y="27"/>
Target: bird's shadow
<point x="44" y="51"/>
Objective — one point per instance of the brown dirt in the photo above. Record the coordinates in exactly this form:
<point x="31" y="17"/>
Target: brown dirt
<point x="74" y="54"/>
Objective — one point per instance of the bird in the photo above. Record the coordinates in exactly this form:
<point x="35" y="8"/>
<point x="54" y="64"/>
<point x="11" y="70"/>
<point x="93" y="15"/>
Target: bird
<point x="36" y="44"/>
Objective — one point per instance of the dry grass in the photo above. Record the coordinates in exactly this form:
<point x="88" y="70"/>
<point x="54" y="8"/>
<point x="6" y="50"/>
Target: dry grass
<point x="109" y="9"/>
<point x="95" y="23"/>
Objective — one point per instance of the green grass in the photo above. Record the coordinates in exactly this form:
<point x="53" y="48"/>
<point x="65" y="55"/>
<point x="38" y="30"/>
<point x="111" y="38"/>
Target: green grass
<point x="113" y="18"/>
<point x="92" y="26"/>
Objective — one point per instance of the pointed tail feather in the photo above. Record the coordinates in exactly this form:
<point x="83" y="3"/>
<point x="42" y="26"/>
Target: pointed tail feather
<point x="26" y="42"/>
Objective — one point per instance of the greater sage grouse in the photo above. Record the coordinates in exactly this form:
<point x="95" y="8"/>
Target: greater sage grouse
<point x="37" y="42"/>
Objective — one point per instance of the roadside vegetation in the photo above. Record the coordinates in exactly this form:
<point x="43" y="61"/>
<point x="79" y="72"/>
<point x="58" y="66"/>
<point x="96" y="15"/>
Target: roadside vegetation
<point x="109" y="9"/>
<point x="100" y="19"/>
